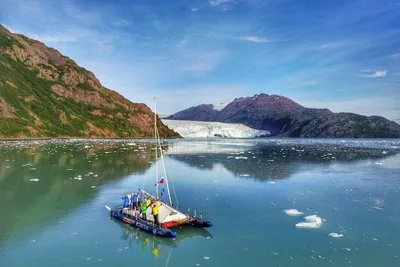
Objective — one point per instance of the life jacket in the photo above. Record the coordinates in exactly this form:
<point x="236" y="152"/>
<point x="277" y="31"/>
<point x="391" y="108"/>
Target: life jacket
<point x="148" y="202"/>
<point x="134" y="199"/>
<point x="155" y="209"/>
<point x="144" y="209"/>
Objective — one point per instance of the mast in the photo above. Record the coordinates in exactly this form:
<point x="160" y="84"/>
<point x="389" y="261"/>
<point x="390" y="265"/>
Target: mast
<point x="165" y="171"/>
<point x="155" y="137"/>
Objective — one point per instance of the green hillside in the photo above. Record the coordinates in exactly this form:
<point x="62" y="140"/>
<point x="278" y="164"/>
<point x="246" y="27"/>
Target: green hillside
<point x="45" y="94"/>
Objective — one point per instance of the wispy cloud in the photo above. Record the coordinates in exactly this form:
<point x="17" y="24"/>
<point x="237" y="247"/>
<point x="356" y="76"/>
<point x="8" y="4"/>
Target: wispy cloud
<point x="203" y="62"/>
<point x="121" y="23"/>
<point x="254" y="39"/>
<point x="376" y="74"/>
<point x="395" y="55"/>
<point x="218" y="2"/>
<point x="55" y="38"/>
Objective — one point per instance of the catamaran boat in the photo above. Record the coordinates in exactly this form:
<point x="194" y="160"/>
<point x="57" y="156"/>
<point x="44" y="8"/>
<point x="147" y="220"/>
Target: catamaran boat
<point x="168" y="216"/>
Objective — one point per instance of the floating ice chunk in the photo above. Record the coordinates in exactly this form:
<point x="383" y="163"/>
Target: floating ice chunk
<point x="34" y="180"/>
<point x="206" y="257"/>
<point x="312" y="221"/>
<point x="240" y="157"/>
<point x="348" y="249"/>
<point x="244" y="175"/>
<point x="272" y="182"/>
<point x="293" y="212"/>
<point x="375" y="239"/>
<point x="93" y="186"/>
<point x="335" y="235"/>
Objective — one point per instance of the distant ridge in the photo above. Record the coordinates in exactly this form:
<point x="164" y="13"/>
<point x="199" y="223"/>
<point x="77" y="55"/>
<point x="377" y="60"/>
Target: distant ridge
<point x="283" y="117"/>
<point x="46" y="94"/>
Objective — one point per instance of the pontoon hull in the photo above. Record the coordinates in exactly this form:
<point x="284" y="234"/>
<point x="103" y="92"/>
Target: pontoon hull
<point x="141" y="224"/>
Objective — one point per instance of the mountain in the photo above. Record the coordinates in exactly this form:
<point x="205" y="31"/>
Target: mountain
<point x="283" y="117"/>
<point x="46" y="94"/>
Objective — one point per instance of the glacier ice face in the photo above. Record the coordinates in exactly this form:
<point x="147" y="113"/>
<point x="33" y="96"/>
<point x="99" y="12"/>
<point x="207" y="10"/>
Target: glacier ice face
<point x="213" y="129"/>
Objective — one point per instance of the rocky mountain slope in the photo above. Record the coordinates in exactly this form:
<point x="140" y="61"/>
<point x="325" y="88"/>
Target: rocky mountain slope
<point x="43" y="93"/>
<point x="283" y="117"/>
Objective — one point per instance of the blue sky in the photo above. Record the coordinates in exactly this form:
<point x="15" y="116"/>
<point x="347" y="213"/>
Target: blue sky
<point x="342" y="55"/>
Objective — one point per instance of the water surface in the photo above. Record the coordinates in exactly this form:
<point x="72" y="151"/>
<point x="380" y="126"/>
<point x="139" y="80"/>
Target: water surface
<point x="52" y="197"/>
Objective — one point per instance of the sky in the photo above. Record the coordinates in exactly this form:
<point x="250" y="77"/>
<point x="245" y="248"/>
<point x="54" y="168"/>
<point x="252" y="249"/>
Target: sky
<point x="342" y="55"/>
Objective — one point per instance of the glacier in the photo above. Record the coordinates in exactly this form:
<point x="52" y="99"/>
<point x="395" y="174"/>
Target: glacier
<point x="213" y="129"/>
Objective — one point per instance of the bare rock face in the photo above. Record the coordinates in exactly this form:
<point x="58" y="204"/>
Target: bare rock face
<point x="43" y="93"/>
<point x="285" y="118"/>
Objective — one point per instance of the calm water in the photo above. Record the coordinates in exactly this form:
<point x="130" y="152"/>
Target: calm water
<point x="52" y="197"/>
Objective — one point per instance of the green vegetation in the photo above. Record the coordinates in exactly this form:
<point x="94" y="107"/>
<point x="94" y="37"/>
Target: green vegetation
<point x="29" y="107"/>
<point x="6" y="41"/>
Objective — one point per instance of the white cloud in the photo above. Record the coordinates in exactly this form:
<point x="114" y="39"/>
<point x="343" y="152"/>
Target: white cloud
<point x="376" y="74"/>
<point x="218" y="2"/>
<point x="255" y="39"/>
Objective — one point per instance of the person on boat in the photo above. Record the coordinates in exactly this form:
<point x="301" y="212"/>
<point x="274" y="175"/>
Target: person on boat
<point x="155" y="210"/>
<point x="134" y="201"/>
<point x="148" y="202"/>
<point x="137" y="213"/>
<point x="144" y="210"/>
<point x="126" y="201"/>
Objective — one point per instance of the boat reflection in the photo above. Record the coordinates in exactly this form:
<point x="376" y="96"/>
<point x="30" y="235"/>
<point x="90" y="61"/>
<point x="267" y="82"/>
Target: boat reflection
<point x="156" y="244"/>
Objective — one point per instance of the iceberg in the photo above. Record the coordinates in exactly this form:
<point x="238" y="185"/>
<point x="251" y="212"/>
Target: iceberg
<point x="293" y="212"/>
<point x="335" y="235"/>
<point x="312" y="221"/>
<point x="213" y="129"/>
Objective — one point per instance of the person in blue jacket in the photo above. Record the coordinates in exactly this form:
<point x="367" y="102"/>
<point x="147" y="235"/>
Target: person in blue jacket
<point x="135" y="201"/>
<point x="126" y="201"/>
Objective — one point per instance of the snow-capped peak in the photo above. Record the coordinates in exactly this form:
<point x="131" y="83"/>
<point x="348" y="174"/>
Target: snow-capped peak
<point x="220" y="106"/>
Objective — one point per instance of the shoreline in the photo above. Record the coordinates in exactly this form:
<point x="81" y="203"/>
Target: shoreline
<point x="6" y="139"/>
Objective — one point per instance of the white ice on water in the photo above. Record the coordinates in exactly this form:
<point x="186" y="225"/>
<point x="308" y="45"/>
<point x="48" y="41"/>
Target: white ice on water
<point x="213" y="129"/>
<point x="293" y="212"/>
<point x="335" y="235"/>
<point x="312" y="221"/>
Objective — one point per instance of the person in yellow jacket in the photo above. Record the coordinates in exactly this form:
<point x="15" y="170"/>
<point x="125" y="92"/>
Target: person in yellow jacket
<point x="155" y="210"/>
<point x="148" y="202"/>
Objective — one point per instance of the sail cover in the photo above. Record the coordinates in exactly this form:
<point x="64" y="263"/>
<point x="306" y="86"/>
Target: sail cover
<point x="165" y="212"/>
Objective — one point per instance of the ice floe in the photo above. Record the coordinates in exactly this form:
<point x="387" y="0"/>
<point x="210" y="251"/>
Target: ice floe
<point x="293" y="212"/>
<point x="34" y="180"/>
<point x="335" y="235"/>
<point x="312" y="221"/>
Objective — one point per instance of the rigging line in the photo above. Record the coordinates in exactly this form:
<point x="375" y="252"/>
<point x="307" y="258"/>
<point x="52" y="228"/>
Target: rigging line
<point x="163" y="164"/>
<point x="172" y="184"/>
<point x="155" y="137"/>
<point x="165" y="172"/>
